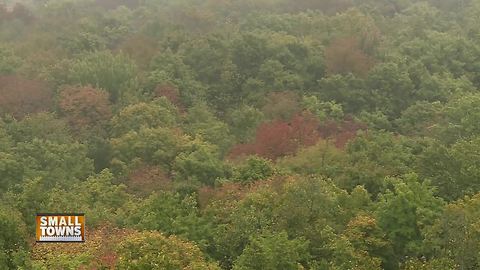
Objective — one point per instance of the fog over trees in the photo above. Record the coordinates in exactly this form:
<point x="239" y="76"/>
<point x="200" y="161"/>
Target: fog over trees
<point x="242" y="134"/>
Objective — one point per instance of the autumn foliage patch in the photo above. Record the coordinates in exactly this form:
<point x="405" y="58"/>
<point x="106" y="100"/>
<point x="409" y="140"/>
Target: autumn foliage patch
<point x="345" y="56"/>
<point x="281" y="138"/>
<point x="85" y="107"/>
<point x="20" y="97"/>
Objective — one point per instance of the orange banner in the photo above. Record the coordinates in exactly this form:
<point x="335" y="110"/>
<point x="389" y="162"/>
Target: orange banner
<point x="60" y="228"/>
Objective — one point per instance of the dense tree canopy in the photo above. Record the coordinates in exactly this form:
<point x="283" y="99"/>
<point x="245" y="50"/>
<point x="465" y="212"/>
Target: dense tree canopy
<point x="266" y="134"/>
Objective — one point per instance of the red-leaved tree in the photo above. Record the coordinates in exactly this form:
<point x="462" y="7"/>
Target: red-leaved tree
<point x="280" y="138"/>
<point x="170" y="92"/>
<point x="85" y="107"/>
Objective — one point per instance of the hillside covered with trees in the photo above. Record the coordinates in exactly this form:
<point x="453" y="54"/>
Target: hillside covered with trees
<point x="242" y="134"/>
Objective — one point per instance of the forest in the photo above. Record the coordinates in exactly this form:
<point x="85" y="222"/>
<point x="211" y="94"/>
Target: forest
<point x="242" y="134"/>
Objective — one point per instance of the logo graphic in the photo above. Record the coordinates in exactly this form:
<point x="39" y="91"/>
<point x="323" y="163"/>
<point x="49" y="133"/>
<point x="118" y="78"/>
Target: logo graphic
<point x="60" y="228"/>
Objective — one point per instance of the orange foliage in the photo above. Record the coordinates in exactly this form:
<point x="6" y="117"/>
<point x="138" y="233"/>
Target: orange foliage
<point x="344" y="56"/>
<point x="170" y="92"/>
<point x="100" y="244"/>
<point x="146" y="179"/>
<point x="21" y="97"/>
<point x="228" y="192"/>
<point x="85" y="107"/>
<point x="227" y="195"/>
<point x="279" y="138"/>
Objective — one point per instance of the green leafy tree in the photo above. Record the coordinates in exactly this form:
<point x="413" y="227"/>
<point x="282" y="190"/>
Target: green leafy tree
<point x="441" y="86"/>
<point x="405" y="214"/>
<point x="451" y="54"/>
<point x="345" y="256"/>
<point x="198" y="164"/>
<point x="271" y="251"/>
<point x="6" y="140"/>
<point x="63" y="261"/>
<point x="29" y="199"/>
<point x="13" y="239"/>
<point x="453" y="170"/>
<point x="374" y="155"/>
<point x="57" y="163"/>
<point x="392" y="88"/>
<point x="169" y="68"/>
<point x="239" y="222"/>
<point x="281" y="105"/>
<point x="460" y="119"/>
<point x="171" y="214"/>
<point x="39" y="126"/>
<point x="347" y="91"/>
<point x="322" y="110"/>
<point x="275" y="77"/>
<point x="365" y="235"/>
<point x="114" y="73"/>
<point x="254" y="168"/>
<point x="152" y="250"/>
<point x="322" y="158"/>
<point x="100" y="198"/>
<point x="158" y="113"/>
<point x="243" y="122"/>
<point x="433" y="264"/>
<point x="202" y="123"/>
<point x="158" y="146"/>
<point x="420" y="118"/>
<point x="455" y="237"/>
<point x="11" y="170"/>
<point x="302" y="207"/>
<point x="9" y="62"/>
